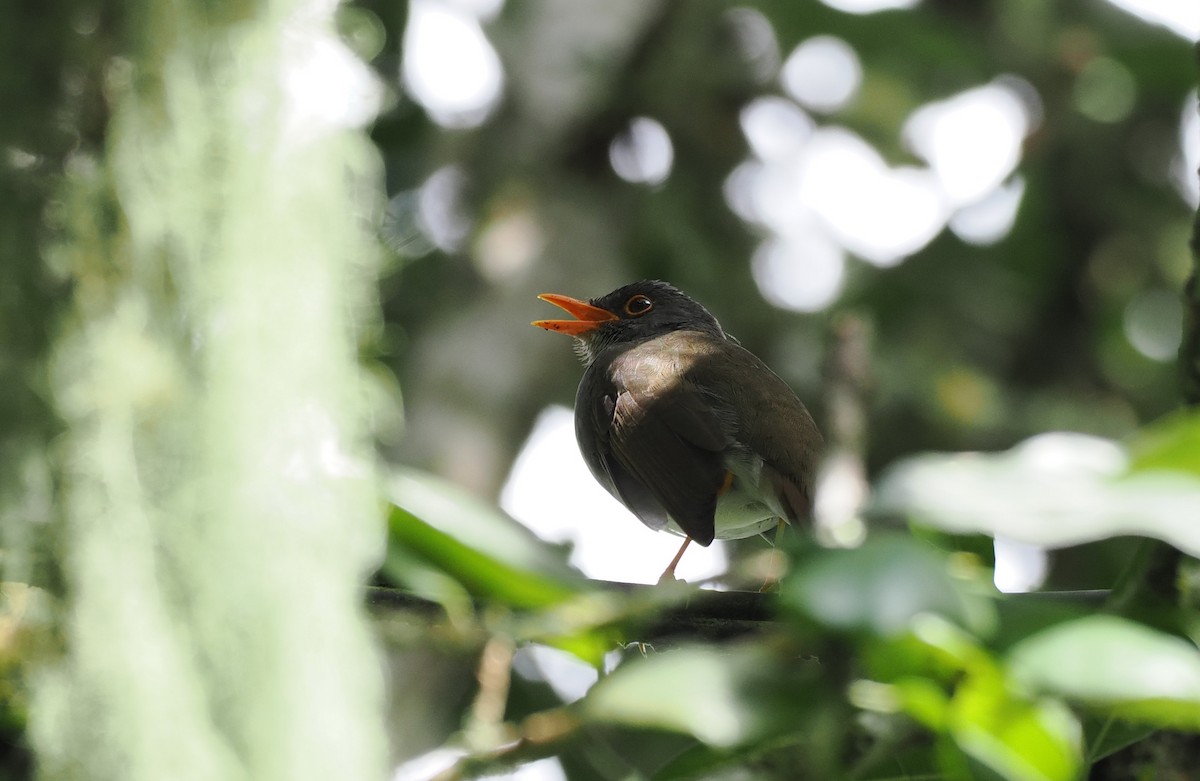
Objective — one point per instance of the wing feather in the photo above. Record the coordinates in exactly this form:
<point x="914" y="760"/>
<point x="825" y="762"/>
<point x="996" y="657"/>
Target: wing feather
<point x="660" y="423"/>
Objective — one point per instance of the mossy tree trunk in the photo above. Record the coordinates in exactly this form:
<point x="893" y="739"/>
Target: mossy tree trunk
<point x="203" y="449"/>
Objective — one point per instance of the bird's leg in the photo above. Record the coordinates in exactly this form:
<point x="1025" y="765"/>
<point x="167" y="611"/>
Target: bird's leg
<point x="669" y="573"/>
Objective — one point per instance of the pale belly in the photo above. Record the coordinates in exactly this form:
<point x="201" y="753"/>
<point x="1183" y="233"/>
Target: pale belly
<point x="739" y="514"/>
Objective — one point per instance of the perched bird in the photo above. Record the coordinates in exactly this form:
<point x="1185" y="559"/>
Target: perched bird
<point x="685" y="427"/>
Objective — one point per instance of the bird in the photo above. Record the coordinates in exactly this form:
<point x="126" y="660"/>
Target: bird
<point x="680" y="423"/>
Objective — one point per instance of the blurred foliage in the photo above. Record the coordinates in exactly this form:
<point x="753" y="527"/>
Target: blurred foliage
<point x="897" y="659"/>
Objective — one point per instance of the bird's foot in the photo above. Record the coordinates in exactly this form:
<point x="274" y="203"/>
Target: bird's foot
<point x="668" y="575"/>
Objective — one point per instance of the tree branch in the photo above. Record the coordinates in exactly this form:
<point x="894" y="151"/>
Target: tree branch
<point x="1189" y="347"/>
<point x="697" y="616"/>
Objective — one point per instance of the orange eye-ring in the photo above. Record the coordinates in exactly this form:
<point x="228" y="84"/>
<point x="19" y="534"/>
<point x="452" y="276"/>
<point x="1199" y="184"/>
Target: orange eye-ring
<point x="638" y="305"/>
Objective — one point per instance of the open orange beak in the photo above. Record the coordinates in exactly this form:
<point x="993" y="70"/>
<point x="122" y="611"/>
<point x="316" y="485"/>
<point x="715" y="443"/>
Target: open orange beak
<point x="590" y="317"/>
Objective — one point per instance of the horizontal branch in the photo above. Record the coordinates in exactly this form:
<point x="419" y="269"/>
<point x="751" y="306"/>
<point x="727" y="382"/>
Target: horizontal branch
<point x="701" y="615"/>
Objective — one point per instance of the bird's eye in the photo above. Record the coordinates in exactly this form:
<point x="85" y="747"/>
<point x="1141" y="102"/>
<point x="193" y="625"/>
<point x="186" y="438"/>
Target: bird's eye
<point x="638" y="305"/>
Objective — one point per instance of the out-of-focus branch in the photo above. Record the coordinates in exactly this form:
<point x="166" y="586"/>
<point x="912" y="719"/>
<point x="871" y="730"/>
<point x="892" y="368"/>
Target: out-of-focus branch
<point x="1189" y="348"/>
<point x="486" y="724"/>
<point x="842" y="482"/>
<point x="539" y="736"/>
<point x="695" y="615"/>
<point x="1152" y="577"/>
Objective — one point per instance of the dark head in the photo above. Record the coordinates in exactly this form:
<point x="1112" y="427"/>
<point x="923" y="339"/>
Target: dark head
<point x="628" y="315"/>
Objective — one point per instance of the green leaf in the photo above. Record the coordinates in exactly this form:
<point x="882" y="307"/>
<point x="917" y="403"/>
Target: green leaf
<point x="935" y="649"/>
<point x="1127" y="668"/>
<point x="1023" y="615"/>
<point x="878" y="588"/>
<point x="699" y="761"/>
<point x="1019" y="739"/>
<point x="1053" y="490"/>
<point x="724" y="697"/>
<point x="1107" y="735"/>
<point x="488" y="553"/>
<point x="925" y="701"/>
<point x="1010" y="734"/>
<point x="424" y="579"/>
<point x="1172" y="443"/>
